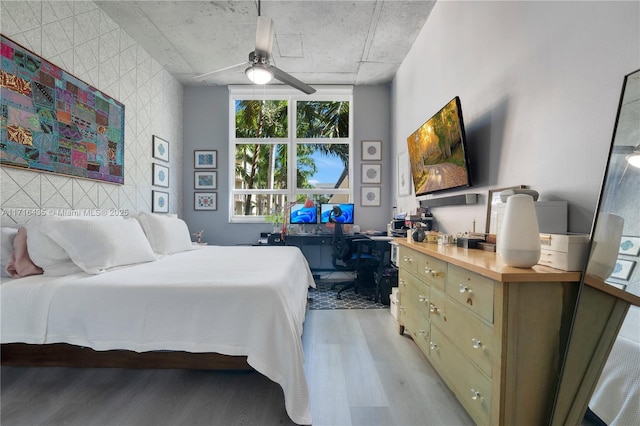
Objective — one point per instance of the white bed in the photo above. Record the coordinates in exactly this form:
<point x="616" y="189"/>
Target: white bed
<point x="230" y="300"/>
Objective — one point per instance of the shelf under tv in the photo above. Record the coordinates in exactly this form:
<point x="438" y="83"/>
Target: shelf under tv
<point x="452" y="200"/>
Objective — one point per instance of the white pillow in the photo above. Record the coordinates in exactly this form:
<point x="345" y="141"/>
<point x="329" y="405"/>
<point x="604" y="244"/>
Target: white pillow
<point x="46" y="253"/>
<point x="98" y="245"/>
<point x="6" y="242"/>
<point x="166" y="234"/>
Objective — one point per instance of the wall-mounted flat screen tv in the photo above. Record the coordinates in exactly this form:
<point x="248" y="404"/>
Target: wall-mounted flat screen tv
<point x="303" y="213"/>
<point x="438" y="152"/>
<point x="347" y="213"/>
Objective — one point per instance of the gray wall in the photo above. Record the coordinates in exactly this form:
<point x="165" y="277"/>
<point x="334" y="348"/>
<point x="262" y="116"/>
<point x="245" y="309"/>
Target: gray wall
<point x="81" y="39"/>
<point x="539" y="84"/>
<point x="206" y="120"/>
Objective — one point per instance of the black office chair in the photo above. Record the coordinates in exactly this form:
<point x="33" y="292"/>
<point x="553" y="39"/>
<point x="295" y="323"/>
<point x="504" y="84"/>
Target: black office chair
<point x="349" y="255"/>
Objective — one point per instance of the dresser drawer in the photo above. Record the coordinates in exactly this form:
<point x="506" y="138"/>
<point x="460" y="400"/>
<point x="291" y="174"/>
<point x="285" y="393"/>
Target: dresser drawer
<point x="474" y="337"/>
<point x="471" y="387"/>
<point x="432" y="271"/>
<point x="403" y="285"/>
<point x="420" y="331"/>
<point x="418" y="296"/>
<point x="472" y="290"/>
<point x="437" y="310"/>
<point x="408" y="260"/>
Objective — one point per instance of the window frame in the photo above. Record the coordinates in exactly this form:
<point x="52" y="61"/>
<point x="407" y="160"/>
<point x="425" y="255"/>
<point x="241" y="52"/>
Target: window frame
<point x="292" y="96"/>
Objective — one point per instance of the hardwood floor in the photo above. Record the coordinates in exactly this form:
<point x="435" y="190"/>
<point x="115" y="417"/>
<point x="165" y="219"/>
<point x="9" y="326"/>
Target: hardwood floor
<point x="360" y="372"/>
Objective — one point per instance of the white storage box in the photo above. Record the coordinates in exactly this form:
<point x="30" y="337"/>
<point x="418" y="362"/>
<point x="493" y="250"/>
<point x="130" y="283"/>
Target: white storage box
<point x="563" y="251"/>
<point x="393" y="307"/>
<point x="553" y="216"/>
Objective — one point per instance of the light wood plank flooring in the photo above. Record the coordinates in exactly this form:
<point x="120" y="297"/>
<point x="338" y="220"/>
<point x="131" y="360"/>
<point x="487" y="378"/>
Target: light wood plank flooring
<point x="360" y="372"/>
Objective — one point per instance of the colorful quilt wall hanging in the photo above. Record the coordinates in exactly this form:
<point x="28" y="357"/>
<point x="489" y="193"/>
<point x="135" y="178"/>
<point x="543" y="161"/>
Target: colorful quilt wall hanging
<point x="54" y="122"/>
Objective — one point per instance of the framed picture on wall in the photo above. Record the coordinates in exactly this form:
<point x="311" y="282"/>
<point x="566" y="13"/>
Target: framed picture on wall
<point x="159" y="202"/>
<point x="371" y="173"/>
<point x="623" y="269"/>
<point x="493" y="200"/>
<point x="630" y="246"/>
<point x="206" y="180"/>
<point x="370" y="196"/>
<point x="371" y="150"/>
<point x="160" y="175"/>
<point x="160" y="148"/>
<point x="404" y="174"/>
<point x="205" y="201"/>
<point x="206" y="159"/>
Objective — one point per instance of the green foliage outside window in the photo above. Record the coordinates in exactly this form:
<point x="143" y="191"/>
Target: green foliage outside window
<point x="264" y="166"/>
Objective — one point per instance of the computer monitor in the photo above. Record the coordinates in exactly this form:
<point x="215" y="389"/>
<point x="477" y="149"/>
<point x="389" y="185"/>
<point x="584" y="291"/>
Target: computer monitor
<point x="346" y="217"/>
<point x="301" y="214"/>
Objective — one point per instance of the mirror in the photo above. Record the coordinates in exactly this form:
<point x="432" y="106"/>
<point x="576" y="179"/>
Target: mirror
<point x="615" y="246"/>
<point x="611" y="283"/>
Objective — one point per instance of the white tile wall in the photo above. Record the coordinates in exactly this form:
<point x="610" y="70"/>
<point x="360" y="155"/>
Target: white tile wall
<point x="80" y="38"/>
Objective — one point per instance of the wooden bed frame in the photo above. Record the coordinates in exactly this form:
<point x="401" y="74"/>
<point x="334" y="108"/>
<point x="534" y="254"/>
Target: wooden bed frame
<point x="66" y="355"/>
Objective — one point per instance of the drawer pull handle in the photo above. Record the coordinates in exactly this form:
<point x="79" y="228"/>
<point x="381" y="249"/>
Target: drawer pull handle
<point x="427" y="270"/>
<point x="422" y="298"/>
<point x="433" y="346"/>
<point x="477" y="344"/>
<point x="407" y="259"/>
<point x="464" y="289"/>
<point x="433" y="309"/>
<point x="475" y="395"/>
<point x="402" y="282"/>
<point x="421" y="332"/>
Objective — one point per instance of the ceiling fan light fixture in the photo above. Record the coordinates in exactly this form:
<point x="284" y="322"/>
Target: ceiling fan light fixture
<point x="634" y="159"/>
<point x="259" y="74"/>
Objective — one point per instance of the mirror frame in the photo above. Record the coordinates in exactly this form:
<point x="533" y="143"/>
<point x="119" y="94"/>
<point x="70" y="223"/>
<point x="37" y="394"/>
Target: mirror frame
<point x="599" y="313"/>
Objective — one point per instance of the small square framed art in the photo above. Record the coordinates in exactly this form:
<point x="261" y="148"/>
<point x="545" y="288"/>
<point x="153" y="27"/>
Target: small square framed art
<point x="205" y="201"/>
<point x="623" y="269"/>
<point x="371" y="150"/>
<point x="160" y="202"/>
<point x="370" y="196"/>
<point x="205" y="180"/>
<point x="160" y="175"/>
<point x="371" y="173"/>
<point x="160" y="148"/>
<point x="205" y="159"/>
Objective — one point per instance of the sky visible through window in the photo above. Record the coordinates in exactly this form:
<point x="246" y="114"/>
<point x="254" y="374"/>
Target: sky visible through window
<point x="329" y="169"/>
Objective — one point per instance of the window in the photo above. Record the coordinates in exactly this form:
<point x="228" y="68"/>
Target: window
<point x="288" y="147"/>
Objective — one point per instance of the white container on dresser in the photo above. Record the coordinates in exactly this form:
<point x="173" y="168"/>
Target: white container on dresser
<point x="563" y="251"/>
<point x="495" y="334"/>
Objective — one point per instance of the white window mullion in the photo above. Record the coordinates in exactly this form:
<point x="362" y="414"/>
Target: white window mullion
<point x="293" y="151"/>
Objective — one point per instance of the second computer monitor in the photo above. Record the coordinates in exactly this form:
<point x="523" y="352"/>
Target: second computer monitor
<point x="346" y="217"/>
<point x="302" y="214"/>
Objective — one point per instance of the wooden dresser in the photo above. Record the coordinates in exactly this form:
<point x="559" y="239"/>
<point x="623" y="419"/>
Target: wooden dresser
<point x="495" y="334"/>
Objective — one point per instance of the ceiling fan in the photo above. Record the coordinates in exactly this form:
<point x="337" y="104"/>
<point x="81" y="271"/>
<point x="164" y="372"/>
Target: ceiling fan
<point x="260" y="70"/>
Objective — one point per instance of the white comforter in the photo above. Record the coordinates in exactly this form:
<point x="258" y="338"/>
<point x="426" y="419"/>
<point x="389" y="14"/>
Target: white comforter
<point x="230" y="300"/>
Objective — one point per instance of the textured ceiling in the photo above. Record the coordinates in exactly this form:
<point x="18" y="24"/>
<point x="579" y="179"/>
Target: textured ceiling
<point x="318" y="42"/>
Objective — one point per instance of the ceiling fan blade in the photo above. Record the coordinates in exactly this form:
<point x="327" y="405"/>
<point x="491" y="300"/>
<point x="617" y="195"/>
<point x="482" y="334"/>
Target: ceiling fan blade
<point x="282" y="76"/>
<point x="624" y="149"/>
<point x="207" y="74"/>
<point x="264" y="37"/>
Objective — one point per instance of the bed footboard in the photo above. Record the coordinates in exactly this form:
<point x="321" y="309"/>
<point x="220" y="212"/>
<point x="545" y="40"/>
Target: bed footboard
<point x="66" y="355"/>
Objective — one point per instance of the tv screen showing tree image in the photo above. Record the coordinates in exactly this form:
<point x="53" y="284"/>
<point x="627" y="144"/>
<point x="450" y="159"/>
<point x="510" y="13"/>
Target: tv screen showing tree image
<point x="437" y="152"/>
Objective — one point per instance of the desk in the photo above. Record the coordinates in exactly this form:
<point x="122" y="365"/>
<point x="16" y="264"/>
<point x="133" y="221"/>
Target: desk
<point x="300" y="240"/>
<point x="378" y="246"/>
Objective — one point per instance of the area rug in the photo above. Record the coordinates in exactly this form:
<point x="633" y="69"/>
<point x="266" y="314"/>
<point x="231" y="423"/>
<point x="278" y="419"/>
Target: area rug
<point x="323" y="297"/>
